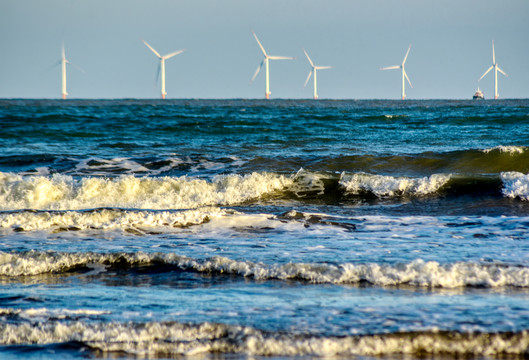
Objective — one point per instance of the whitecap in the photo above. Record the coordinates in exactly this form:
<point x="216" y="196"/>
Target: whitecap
<point x="417" y="273"/>
<point x="383" y="186"/>
<point x="63" y="192"/>
<point x="153" y="339"/>
<point x="515" y="185"/>
<point x="512" y="150"/>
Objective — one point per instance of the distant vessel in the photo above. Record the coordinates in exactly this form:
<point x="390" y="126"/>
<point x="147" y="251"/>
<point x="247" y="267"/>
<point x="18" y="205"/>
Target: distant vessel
<point x="478" y="95"/>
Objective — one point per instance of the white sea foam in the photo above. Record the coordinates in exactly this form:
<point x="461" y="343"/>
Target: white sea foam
<point x="98" y="166"/>
<point x="307" y="182"/>
<point x="383" y="186"/>
<point x="61" y="192"/>
<point x="106" y="219"/>
<point x="168" y="338"/>
<point x="512" y="150"/>
<point x="515" y="185"/>
<point x="416" y="273"/>
<point x="44" y="314"/>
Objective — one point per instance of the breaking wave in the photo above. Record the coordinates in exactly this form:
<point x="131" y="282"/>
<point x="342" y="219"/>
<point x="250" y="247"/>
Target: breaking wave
<point x="416" y="273"/>
<point x="176" y="339"/>
<point x="513" y="150"/>
<point x="392" y="186"/>
<point x="516" y="185"/>
<point x="106" y="219"/>
<point x="63" y="192"/>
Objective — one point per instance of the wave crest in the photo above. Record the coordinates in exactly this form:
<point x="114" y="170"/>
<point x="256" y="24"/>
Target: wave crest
<point x="63" y="192"/>
<point x="512" y="150"/>
<point x="384" y="186"/>
<point x="169" y="338"/>
<point x="416" y="273"/>
<point x="515" y="185"/>
<point x="106" y="219"/>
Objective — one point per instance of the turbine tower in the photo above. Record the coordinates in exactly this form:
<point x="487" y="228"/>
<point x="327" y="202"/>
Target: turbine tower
<point x="63" y="73"/>
<point x="314" y="70"/>
<point x="496" y="69"/>
<point x="404" y="75"/>
<point x="265" y="62"/>
<point x="161" y="67"/>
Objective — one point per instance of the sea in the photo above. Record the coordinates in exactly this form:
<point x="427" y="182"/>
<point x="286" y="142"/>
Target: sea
<point x="253" y="229"/>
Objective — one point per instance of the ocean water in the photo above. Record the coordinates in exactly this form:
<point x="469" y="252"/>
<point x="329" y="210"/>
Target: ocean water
<point x="249" y="229"/>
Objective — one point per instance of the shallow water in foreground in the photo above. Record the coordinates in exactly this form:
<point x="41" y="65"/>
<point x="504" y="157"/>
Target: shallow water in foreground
<point x="282" y="229"/>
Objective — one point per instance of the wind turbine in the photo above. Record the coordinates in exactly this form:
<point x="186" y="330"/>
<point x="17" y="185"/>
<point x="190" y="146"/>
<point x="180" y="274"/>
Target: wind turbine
<point x="314" y="70"/>
<point x="161" y="67"/>
<point x="63" y="63"/>
<point x="265" y="62"/>
<point x="404" y="75"/>
<point x="496" y="69"/>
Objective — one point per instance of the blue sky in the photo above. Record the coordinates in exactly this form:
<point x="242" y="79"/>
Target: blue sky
<point x="451" y="47"/>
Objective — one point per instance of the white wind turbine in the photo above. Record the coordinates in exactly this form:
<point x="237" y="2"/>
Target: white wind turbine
<point x="314" y="70"/>
<point x="265" y="62"/>
<point x="63" y="61"/>
<point x="404" y="75"/>
<point x="161" y="67"/>
<point x="496" y="69"/>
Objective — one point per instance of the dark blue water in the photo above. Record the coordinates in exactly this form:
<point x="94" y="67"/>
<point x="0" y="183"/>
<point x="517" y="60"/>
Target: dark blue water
<point x="285" y="229"/>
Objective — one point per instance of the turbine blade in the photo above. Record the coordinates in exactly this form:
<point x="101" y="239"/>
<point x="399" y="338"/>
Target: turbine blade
<point x="63" y="54"/>
<point x="150" y="47"/>
<point x="503" y="72"/>
<point x="407" y="78"/>
<point x="322" y="67"/>
<point x="260" y="45"/>
<point x="307" y="55"/>
<point x="77" y="67"/>
<point x="486" y="72"/>
<point x="308" y="78"/>
<point x="406" y="57"/>
<point x="157" y="78"/>
<point x="178" y="52"/>
<point x="493" y="54"/>
<point x="257" y="71"/>
<point x="390" y="67"/>
<point x="281" y="58"/>
<point x="54" y="65"/>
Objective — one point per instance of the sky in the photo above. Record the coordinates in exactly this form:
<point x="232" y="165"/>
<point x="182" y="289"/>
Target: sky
<point x="451" y="47"/>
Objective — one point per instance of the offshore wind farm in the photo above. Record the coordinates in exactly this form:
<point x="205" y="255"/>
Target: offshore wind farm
<point x="265" y="63"/>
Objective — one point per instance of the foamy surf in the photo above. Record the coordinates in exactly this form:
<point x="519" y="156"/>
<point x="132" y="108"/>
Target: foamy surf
<point x="63" y="192"/>
<point x="512" y="150"/>
<point x="417" y="273"/>
<point x="389" y="186"/>
<point x="515" y="185"/>
<point x="165" y="339"/>
<point x="107" y="219"/>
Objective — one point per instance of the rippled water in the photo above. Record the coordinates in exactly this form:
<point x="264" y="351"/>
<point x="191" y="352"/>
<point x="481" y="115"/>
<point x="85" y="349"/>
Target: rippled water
<point x="237" y="228"/>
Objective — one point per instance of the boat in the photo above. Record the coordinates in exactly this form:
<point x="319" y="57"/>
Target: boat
<point x="478" y="95"/>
